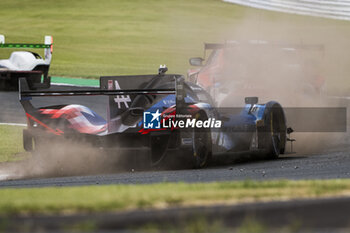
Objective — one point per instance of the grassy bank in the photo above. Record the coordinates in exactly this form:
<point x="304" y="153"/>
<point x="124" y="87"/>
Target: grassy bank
<point x="133" y="37"/>
<point x="123" y="197"/>
<point x="11" y="148"/>
<point x="117" y="37"/>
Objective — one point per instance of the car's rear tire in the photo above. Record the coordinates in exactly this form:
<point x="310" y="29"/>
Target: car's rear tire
<point x="201" y="147"/>
<point x="159" y="147"/>
<point x="27" y="140"/>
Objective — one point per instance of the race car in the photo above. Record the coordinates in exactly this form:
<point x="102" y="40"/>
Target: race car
<point x="256" y="67"/>
<point x="25" y="64"/>
<point x="162" y="114"/>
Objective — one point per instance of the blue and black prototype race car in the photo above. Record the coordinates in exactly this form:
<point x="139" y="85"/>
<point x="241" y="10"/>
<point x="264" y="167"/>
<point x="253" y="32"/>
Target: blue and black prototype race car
<point x="169" y="118"/>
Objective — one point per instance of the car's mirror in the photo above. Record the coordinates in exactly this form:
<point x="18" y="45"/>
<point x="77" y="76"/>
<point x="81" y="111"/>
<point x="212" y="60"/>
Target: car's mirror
<point x="251" y="100"/>
<point x="196" y="61"/>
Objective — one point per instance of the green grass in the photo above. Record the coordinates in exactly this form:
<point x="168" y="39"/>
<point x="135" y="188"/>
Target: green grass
<point x="87" y="199"/>
<point x="117" y="37"/>
<point x="133" y="37"/>
<point x="11" y="148"/>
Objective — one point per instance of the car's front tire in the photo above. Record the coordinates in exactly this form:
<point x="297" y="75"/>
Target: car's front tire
<point x="275" y="130"/>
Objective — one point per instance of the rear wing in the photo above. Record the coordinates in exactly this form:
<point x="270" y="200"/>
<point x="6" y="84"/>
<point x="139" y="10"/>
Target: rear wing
<point x="47" y="46"/>
<point x="198" y="61"/>
<point x="26" y="92"/>
<point x="284" y="46"/>
<point x="264" y="44"/>
<point x="128" y="95"/>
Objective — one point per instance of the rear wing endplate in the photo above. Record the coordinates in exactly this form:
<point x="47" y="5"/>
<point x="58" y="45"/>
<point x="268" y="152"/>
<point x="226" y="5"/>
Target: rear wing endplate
<point x="232" y="44"/>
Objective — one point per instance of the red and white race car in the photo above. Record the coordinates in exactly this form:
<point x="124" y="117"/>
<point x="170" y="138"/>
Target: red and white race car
<point x="258" y="68"/>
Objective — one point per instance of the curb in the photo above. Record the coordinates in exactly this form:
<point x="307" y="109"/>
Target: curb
<point x="78" y="82"/>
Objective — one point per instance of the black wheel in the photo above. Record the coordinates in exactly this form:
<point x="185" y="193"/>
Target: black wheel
<point x="201" y="148"/>
<point x="6" y="85"/>
<point x="2" y="85"/>
<point x="275" y="138"/>
<point x="275" y="131"/>
<point x="159" y="146"/>
<point x="27" y="140"/>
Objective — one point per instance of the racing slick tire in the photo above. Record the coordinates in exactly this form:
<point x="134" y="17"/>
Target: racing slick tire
<point x="201" y="147"/>
<point x="6" y="86"/>
<point x="198" y="155"/>
<point x="275" y="130"/>
<point x="159" y="149"/>
<point x="27" y="140"/>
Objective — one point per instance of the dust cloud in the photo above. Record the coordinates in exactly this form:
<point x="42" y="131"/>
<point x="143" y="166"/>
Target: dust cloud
<point x="297" y="61"/>
<point x="56" y="159"/>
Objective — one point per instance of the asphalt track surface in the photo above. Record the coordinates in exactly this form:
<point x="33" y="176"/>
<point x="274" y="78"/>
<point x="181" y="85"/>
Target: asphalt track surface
<point x="329" y="164"/>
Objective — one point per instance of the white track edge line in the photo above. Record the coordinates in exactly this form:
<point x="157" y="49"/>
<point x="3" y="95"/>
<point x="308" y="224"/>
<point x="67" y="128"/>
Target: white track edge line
<point x="14" y="124"/>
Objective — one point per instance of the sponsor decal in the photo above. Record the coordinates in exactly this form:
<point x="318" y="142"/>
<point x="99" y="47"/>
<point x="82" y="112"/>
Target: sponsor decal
<point x="110" y="84"/>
